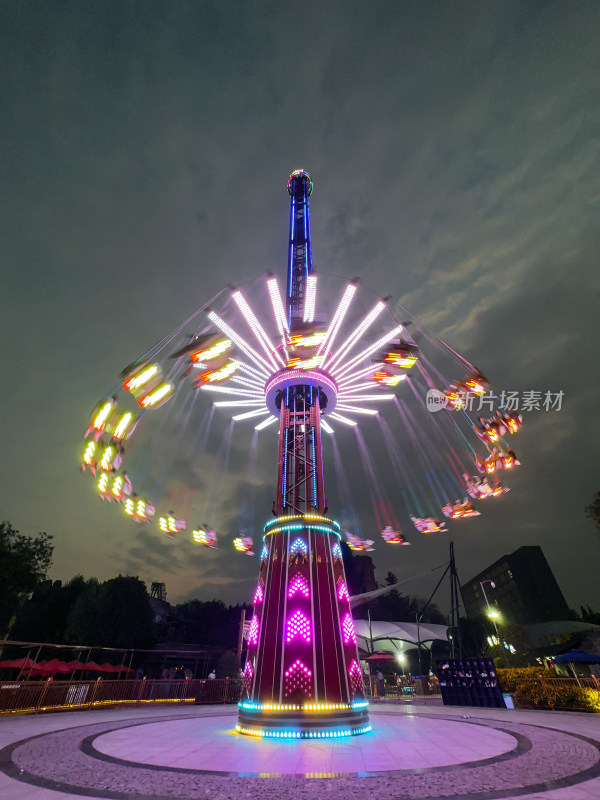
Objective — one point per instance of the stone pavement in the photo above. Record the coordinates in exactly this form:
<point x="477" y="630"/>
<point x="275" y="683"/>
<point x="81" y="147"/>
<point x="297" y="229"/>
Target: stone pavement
<point x="415" y="751"/>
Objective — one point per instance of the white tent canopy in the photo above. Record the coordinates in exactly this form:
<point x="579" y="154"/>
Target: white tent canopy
<point x="397" y="637"/>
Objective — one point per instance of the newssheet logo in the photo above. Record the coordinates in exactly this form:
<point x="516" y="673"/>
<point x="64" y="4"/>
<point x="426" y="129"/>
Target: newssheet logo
<point x="435" y="400"/>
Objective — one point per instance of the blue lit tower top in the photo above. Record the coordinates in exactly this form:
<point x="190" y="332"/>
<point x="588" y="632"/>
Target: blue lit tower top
<point x="299" y="400"/>
<point x="300" y="187"/>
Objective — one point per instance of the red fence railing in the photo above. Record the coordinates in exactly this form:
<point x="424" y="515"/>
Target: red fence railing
<point x="51" y="695"/>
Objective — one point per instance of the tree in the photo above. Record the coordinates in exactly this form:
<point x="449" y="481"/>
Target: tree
<point x="228" y="665"/>
<point x="593" y="511"/>
<point x="116" y="613"/>
<point x="43" y="617"/>
<point x="24" y="561"/>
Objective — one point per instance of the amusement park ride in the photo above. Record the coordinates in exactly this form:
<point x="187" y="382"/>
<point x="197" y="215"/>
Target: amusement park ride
<point x="302" y="677"/>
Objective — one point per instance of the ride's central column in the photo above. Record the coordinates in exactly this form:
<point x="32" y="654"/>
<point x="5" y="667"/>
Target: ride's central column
<point x="302" y="677"/>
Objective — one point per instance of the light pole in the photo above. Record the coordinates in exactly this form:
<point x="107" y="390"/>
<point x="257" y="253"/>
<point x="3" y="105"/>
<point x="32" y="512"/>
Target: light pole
<point x="492" y="613"/>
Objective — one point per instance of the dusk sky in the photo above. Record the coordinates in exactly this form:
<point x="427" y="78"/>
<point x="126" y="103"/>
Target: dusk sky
<point x="145" y="146"/>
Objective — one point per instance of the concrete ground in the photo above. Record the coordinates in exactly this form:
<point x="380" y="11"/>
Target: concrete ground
<point x="415" y="751"/>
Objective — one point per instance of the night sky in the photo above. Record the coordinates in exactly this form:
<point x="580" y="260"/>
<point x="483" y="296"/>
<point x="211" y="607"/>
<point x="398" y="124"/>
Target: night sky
<point x="144" y="152"/>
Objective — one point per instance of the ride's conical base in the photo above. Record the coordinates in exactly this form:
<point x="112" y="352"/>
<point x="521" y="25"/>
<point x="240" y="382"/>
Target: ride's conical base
<point x="302" y="677"/>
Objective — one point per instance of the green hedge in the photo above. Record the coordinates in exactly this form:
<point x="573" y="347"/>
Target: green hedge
<point x="529" y="687"/>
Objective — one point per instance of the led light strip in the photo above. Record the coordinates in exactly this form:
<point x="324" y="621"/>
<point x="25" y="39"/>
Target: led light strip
<point x="285" y="528"/>
<point x="228" y="390"/>
<point x="359" y="410"/>
<point x="330" y="734"/>
<point x="257" y="329"/>
<point x="345" y="420"/>
<point x="293" y="517"/>
<point x="327" y="428"/>
<point x="249" y="414"/>
<point x="369" y="350"/>
<point x="361" y="328"/>
<point x="357" y="377"/>
<point x="310" y="299"/>
<point x="250" y="370"/>
<point x="338" y="317"/>
<point x="238" y="403"/>
<point x="265" y="423"/>
<point x="253" y="384"/>
<point x="277" y="304"/>
<point x="248" y="705"/>
<point x="263" y="365"/>
<point x="347" y="398"/>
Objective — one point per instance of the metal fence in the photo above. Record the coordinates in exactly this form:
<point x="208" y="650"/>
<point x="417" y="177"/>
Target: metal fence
<point x="577" y="694"/>
<point x="51" y="695"/>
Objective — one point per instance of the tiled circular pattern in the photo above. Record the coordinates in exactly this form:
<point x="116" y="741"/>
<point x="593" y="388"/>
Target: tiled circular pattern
<point x="518" y="759"/>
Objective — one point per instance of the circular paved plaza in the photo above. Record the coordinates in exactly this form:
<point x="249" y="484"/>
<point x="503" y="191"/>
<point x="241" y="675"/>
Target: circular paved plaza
<point x="413" y="752"/>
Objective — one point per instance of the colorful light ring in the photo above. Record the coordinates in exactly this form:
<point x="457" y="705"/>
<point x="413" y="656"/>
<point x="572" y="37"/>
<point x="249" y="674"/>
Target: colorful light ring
<point x="308" y="734"/>
<point x="285" y="528"/>
<point x="249" y="705"/>
<point x="310" y="517"/>
<point x="300" y="377"/>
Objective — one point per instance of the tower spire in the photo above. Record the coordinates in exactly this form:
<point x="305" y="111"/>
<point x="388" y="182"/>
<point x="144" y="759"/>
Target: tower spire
<point x="302" y="676"/>
<point x="300" y="188"/>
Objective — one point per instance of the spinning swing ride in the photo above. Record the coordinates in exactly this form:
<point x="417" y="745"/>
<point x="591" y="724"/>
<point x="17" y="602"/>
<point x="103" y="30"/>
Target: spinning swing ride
<point x="310" y="368"/>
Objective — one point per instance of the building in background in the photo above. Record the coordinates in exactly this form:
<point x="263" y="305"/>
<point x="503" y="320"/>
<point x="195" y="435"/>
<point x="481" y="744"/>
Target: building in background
<point x="525" y="590"/>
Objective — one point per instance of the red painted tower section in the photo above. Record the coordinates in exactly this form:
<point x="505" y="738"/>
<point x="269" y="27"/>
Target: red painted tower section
<point x="302" y="677"/>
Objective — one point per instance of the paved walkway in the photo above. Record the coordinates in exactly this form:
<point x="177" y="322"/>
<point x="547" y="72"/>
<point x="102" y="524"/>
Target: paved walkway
<point x="414" y="751"/>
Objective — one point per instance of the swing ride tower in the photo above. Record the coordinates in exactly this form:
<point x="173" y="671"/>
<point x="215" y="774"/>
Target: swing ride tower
<point x="302" y="677"/>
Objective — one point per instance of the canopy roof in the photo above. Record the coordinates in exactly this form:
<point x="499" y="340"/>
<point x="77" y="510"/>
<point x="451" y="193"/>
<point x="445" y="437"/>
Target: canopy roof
<point x="394" y="637"/>
<point x="577" y="657"/>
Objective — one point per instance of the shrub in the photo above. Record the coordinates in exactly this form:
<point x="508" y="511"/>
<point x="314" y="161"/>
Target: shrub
<point x="537" y="687"/>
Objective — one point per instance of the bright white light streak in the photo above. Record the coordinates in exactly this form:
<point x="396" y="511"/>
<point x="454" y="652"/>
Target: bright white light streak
<point x="264" y="423"/>
<point x="363" y="387"/>
<point x="238" y="403"/>
<point x="277" y="304"/>
<point x="338" y="317"/>
<point x="250" y="370"/>
<point x="258" y="386"/>
<point x="345" y="420"/>
<point x="241" y="343"/>
<point x="310" y="300"/>
<point x="228" y="390"/>
<point x="249" y="414"/>
<point x="357" y="377"/>
<point x="348" y="398"/>
<point x="327" y="428"/>
<point x="257" y="329"/>
<point x="361" y="328"/>
<point x="369" y="350"/>
<point x="358" y="409"/>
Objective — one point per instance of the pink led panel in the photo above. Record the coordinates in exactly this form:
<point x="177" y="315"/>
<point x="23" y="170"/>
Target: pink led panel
<point x="342" y="590"/>
<point x="253" y="632"/>
<point x="348" y="630"/>
<point x="298" y="676"/>
<point x="299" y="584"/>
<point x="298" y="626"/>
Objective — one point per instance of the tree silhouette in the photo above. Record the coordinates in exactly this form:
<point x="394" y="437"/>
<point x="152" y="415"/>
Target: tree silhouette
<point x="24" y="561"/>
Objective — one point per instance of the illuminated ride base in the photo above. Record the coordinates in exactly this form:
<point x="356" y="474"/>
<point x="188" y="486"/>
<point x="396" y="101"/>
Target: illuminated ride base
<point x="302" y="677"/>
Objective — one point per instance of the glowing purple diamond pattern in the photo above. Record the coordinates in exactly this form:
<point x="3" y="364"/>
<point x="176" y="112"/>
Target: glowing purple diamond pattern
<point x="348" y="630"/>
<point x="342" y="590"/>
<point x="259" y="594"/>
<point x="356" y="678"/>
<point x="298" y="676"/>
<point x="247" y="676"/>
<point x="299" y="584"/>
<point x="253" y="632"/>
<point x="298" y="626"/>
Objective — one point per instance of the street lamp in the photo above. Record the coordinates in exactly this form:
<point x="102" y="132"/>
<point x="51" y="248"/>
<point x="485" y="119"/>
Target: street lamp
<point x="492" y="613"/>
<point x="401" y="658"/>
